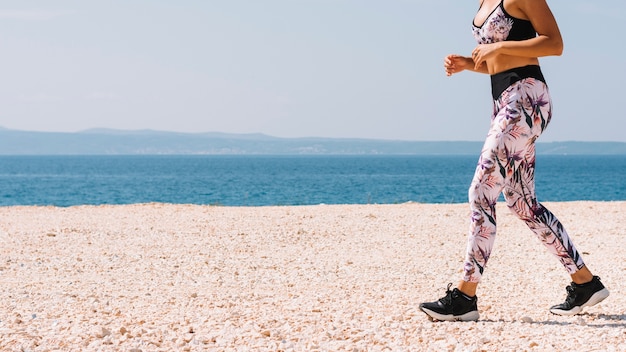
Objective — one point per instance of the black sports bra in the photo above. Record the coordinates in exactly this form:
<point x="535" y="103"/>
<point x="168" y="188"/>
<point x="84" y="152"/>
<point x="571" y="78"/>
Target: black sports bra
<point x="500" y="26"/>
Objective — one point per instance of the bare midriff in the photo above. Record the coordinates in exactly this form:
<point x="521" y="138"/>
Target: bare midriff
<point x="507" y="62"/>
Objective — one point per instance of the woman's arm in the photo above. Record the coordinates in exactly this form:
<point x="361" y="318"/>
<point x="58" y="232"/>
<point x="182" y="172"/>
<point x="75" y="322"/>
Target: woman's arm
<point x="548" y="41"/>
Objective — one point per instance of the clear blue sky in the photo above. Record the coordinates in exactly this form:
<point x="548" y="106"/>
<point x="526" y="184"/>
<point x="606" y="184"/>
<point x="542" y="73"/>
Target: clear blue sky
<point x="290" y="68"/>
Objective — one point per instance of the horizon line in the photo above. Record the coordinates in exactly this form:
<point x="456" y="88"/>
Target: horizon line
<point x="104" y="130"/>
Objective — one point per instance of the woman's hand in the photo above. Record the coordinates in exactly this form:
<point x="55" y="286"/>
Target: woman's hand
<point x="456" y="63"/>
<point x="482" y="53"/>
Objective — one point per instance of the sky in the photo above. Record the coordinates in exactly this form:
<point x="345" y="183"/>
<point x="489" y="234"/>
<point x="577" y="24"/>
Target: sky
<point x="290" y="68"/>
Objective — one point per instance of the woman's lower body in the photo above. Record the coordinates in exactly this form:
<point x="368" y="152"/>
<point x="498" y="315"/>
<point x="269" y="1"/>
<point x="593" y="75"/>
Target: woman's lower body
<point x="507" y="166"/>
<point x="522" y="111"/>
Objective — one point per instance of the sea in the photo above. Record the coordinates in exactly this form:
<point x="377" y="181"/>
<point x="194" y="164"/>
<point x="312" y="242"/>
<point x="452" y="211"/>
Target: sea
<point x="263" y="180"/>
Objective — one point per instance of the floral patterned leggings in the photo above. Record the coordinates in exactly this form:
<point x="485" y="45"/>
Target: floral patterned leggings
<point x="507" y="165"/>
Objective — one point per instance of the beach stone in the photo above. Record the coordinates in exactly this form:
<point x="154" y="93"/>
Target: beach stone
<point x="103" y="332"/>
<point x="526" y="319"/>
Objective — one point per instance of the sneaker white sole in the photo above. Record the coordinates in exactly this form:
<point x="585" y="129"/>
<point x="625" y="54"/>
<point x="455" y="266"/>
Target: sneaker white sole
<point x="469" y="316"/>
<point x="593" y="300"/>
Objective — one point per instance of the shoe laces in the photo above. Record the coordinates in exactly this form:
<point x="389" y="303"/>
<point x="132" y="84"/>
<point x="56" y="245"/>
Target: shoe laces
<point x="571" y="293"/>
<point x="447" y="299"/>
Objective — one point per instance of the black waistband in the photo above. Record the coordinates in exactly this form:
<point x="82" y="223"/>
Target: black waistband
<point x="503" y="80"/>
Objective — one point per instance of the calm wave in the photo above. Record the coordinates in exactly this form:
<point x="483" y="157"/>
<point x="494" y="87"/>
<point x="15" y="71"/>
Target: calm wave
<point x="285" y="180"/>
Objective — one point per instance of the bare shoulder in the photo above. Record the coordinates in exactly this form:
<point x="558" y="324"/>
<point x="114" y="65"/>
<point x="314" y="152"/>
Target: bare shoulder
<point x="539" y="14"/>
<point x="524" y="9"/>
<point x="527" y="9"/>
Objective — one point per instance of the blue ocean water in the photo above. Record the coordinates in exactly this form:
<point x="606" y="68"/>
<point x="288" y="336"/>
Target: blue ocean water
<point x="286" y="180"/>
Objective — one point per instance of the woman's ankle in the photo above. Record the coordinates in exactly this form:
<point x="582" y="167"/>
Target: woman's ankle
<point x="582" y="276"/>
<point x="468" y="288"/>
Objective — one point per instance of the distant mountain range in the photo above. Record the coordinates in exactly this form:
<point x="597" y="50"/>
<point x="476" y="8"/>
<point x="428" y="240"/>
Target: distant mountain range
<point x="121" y="142"/>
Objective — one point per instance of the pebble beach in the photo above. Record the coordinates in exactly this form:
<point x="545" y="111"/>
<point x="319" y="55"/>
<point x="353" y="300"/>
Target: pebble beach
<point x="166" y="277"/>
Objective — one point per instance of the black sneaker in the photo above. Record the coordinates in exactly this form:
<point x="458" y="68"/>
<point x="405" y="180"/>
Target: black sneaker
<point x="580" y="296"/>
<point x="453" y="306"/>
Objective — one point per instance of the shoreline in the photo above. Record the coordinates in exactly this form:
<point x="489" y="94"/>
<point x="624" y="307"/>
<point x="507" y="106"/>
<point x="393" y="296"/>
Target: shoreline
<point x="162" y="277"/>
<point x="218" y="205"/>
